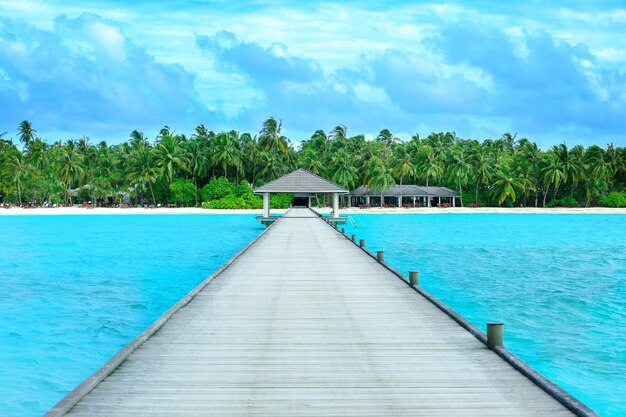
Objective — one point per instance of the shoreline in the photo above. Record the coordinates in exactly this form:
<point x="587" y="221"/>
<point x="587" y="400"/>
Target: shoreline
<point x="17" y="211"/>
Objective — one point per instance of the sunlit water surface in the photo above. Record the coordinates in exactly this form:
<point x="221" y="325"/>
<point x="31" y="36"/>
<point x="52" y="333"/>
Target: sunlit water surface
<point x="557" y="281"/>
<point x="76" y="289"/>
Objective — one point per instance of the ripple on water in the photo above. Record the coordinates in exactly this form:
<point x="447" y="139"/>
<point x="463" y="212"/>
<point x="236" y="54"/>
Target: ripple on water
<point x="557" y="281"/>
<point x="78" y="288"/>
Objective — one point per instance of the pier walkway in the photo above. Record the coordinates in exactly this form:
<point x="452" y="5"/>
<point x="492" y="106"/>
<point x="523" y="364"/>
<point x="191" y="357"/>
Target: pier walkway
<point x="304" y="323"/>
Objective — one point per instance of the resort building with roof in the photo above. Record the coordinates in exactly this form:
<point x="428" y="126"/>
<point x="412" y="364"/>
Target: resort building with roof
<point x="403" y="196"/>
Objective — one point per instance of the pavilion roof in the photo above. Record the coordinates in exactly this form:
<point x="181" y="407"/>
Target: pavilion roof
<point x="300" y="181"/>
<point x="408" y="190"/>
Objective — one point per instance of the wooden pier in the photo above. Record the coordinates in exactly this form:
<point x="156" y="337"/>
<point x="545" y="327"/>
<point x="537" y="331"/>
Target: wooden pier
<point x="304" y="323"/>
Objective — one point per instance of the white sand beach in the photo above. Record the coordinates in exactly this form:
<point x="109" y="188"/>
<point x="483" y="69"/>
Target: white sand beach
<point x="16" y="211"/>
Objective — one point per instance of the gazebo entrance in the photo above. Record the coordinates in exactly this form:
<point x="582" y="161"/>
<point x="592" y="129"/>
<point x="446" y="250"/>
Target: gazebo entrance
<point x="301" y="200"/>
<point x="303" y="185"/>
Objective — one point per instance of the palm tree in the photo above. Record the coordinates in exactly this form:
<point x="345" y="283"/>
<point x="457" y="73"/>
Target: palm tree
<point x="597" y="173"/>
<point x="387" y="138"/>
<point x="310" y="161"/>
<point x="38" y="154"/>
<point x="145" y="168"/>
<point x="345" y="173"/>
<point x="226" y="153"/>
<point x="202" y="132"/>
<point x="198" y="162"/>
<point x="26" y="132"/>
<point x="461" y="169"/>
<point x="15" y="167"/>
<point x="339" y="133"/>
<point x="402" y="165"/>
<point x="526" y="175"/>
<point x="552" y="174"/>
<point x="271" y="167"/>
<point x="171" y="156"/>
<point x="270" y="137"/>
<point x="484" y="166"/>
<point x="531" y="155"/>
<point x="504" y="187"/>
<point x="571" y="165"/>
<point x="71" y="166"/>
<point x="138" y="141"/>
<point x="100" y="189"/>
<point x="429" y="166"/>
<point x="380" y="179"/>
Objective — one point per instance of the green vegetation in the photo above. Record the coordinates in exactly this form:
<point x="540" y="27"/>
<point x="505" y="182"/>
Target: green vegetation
<point x="183" y="192"/>
<point x="566" y="201"/>
<point x="205" y="168"/>
<point x="614" y="199"/>
<point x="226" y="196"/>
<point x="217" y="188"/>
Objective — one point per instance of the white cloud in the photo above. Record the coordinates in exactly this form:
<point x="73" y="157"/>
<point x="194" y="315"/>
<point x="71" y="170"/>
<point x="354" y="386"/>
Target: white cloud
<point x="345" y="41"/>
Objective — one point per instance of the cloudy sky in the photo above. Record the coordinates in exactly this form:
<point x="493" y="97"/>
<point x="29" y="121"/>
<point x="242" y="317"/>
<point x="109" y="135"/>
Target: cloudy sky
<point x="552" y="73"/>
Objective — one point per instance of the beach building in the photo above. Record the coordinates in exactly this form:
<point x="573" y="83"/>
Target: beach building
<point x="403" y="196"/>
<point x="304" y="185"/>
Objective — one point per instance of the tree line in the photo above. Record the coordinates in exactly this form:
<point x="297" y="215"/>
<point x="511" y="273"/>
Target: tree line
<point x="494" y="172"/>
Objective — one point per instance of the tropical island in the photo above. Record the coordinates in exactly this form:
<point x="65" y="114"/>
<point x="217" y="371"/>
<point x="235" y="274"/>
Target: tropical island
<point x="218" y="170"/>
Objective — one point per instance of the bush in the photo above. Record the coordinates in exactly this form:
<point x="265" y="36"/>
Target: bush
<point x="243" y="190"/>
<point x="183" y="192"/>
<point x="614" y="199"/>
<point x="234" y="202"/>
<point x="563" y="202"/>
<point x="280" y="201"/>
<point x="220" y="193"/>
<point x="217" y="188"/>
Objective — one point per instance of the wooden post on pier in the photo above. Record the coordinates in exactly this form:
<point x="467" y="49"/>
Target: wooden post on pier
<point x="414" y="278"/>
<point x="380" y="256"/>
<point x="495" y="334"/>
<point x="362" y="243"/>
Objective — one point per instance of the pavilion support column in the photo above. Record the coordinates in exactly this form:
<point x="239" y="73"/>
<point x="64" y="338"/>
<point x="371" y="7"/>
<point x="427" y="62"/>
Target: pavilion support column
<point x="335" y="205"/>
<point x="453" y="201"/>
<point x="349" y="201"/>
<point x="266" y="204"/>
<point x="399" y="201"/>
<point x="367" y="200"/>
<point x="439" y="203"/>
<point x="309" y="201"/>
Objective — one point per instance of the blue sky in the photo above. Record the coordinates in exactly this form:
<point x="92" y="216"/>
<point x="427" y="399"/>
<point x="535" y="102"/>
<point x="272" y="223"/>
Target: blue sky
<point x="550" y="71"/>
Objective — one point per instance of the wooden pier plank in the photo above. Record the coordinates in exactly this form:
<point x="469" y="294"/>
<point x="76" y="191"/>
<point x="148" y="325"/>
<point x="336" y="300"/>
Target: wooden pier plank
<point x="306" y="324"/>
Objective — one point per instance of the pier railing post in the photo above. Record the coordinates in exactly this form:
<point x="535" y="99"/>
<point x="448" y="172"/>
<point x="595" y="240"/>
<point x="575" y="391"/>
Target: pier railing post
<point x="343" y="230"/>
<point x="353" y="237"/>
<point x="414" y="278"/>
<point x="380" y="256"/>
<point x="362" y="243"/>
<point x="495" y="334"/>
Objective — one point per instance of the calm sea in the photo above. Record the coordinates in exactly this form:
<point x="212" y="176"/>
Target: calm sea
<point x="557" y="281"/>
<point x="75" y="289"/>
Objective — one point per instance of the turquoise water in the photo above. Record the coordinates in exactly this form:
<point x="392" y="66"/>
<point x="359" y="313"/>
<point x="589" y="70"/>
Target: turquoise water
<point x="76" y="289"/>
<point x="557" y="281"/>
